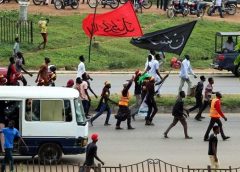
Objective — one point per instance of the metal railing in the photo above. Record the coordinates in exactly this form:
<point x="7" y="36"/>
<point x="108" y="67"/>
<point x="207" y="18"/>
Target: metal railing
<point x="149" y="165"/>
<point x="9" y="29"/>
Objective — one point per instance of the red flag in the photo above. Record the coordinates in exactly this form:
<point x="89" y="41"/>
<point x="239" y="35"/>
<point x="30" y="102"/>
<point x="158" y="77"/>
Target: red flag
<point x="121" y="22"/>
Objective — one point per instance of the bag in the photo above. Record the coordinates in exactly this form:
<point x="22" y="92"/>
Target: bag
<point x="193" y="91"/>
<point x="143" y="110"/>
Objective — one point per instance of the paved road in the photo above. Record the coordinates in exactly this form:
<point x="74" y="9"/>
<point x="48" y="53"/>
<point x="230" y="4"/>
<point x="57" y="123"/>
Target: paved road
<point x="227" y="84"/>
<point x="127" y="147"/>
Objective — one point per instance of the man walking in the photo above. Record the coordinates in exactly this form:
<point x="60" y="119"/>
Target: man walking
<point x="137" y="93"/>
<point x="103" y="104"/>
<point x="124" y="112"/>
<point x="19" y="67"/>
<point x="12" y="75"/>
<point x="218" y="5"/>
<point x="91" y="154"/>
<point x="179" y="115"/>
<point x="16" y="47"/>
<point x="198" y="94"/>
<point x="9" y="134"/>
<point x="81" y="67"/>
<point x="212" y="148"/>
<point x="185" y="70"/>
<point x="215" y="114"/>
<point x="43" y="27"/>
<point x="207" y="98"/>
<point x="84" y="95"/>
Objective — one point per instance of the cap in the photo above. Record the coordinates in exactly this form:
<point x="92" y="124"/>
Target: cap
<point x="94" y="137"/>
<point x="70" y="83"/>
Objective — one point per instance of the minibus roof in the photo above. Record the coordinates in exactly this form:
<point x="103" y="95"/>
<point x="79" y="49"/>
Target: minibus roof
<point x="41" y="92"/>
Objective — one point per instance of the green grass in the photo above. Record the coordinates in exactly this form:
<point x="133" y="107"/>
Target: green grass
<point x="67" y="41"/>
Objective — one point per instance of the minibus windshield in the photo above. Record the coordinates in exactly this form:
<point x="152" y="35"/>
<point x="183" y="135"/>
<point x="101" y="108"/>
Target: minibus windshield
<point x="80" y="116"/>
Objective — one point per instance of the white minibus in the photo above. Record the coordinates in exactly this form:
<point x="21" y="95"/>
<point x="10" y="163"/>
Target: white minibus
<point x="51" y="120"/>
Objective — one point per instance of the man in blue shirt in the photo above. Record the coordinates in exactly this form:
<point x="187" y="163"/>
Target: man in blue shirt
<point x="9" y="134"/>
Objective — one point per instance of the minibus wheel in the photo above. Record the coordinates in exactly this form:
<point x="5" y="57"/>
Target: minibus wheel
<point x="50" y="153"/>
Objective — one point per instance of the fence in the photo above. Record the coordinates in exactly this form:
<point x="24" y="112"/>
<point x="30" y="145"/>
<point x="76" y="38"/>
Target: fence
<point x="149" y="165"/>
<point x="10" y="28"/>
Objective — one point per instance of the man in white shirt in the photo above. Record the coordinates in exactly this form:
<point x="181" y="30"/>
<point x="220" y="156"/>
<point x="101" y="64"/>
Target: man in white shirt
<point x="81" y="67"/>
<point x="185" y="70"/>
<point x="16" y="47"/>
<point x="228" y="45"/>
<point x="218" y="5"/>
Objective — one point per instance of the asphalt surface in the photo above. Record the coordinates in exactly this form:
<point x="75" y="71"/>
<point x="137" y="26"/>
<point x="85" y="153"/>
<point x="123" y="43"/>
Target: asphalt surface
<point x="131" y="146"/>
<point x="225" y="83"/>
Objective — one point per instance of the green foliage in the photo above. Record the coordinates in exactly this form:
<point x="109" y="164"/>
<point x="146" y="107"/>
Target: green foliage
<point x="67" y="41"/>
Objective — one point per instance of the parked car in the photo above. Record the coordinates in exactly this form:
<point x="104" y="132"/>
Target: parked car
<point x="224" y="60"/>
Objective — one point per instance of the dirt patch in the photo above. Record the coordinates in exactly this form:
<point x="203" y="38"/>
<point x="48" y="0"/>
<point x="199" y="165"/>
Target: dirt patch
<point x="85" y="9"/>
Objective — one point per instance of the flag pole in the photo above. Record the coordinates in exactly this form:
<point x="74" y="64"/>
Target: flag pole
<point x="92" y="31"/>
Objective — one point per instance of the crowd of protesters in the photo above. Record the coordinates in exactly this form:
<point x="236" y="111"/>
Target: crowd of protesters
<point x="147" y="85"/>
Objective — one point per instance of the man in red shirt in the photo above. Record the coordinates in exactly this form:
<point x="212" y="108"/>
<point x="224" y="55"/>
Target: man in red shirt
<point x="215" y="114"/>
<point x="12" y="73"/>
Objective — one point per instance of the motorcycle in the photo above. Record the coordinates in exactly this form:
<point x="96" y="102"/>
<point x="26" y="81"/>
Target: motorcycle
<point x="61" y="4"/>
<point x="44" y="2"/>
<point x="3" y="76"/>
<point x="193" y="10"/>
<point x="229" y="7"/>
<point x="4" y="80"/>
<point x="3" y="1"/>
<point x="177" y="8"/>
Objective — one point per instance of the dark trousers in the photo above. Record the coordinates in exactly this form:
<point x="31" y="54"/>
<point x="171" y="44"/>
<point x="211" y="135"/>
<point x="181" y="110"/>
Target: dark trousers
<point x="103" y="107"/>
<point x="86" y="106"/>
<point x="24" y="81"/>
<point x="165" y="5"/>
<point x="7" y="157"/>
<point x="152" y="109"/>
<point x="206" y="103"/>
<point x="126" y="113"/>
<point x="175" y="121"/>
<point x="219" y="10"/>
<point x="160" y="4"/>
<point x="197" y="105"/>
<point x="210" y="126"/>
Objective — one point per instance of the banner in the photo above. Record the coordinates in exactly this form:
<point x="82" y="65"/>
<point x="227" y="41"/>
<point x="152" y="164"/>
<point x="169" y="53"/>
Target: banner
<point x="121" y="22"/>
<point x="171" y="40"/>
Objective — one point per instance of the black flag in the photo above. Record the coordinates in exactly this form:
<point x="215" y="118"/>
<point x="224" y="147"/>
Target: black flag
<point x="170" y="40"/>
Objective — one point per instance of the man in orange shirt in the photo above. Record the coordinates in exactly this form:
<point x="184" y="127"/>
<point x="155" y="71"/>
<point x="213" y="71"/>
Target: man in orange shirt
<point x="215" y="114"/>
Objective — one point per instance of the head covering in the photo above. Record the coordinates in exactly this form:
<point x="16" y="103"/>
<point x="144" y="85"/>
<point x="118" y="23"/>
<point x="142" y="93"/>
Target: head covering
<point x="137" y="72"/>
<point x="94" y="137"/>
<point x="107" y="83"/>
<point x="70" y="83"/>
